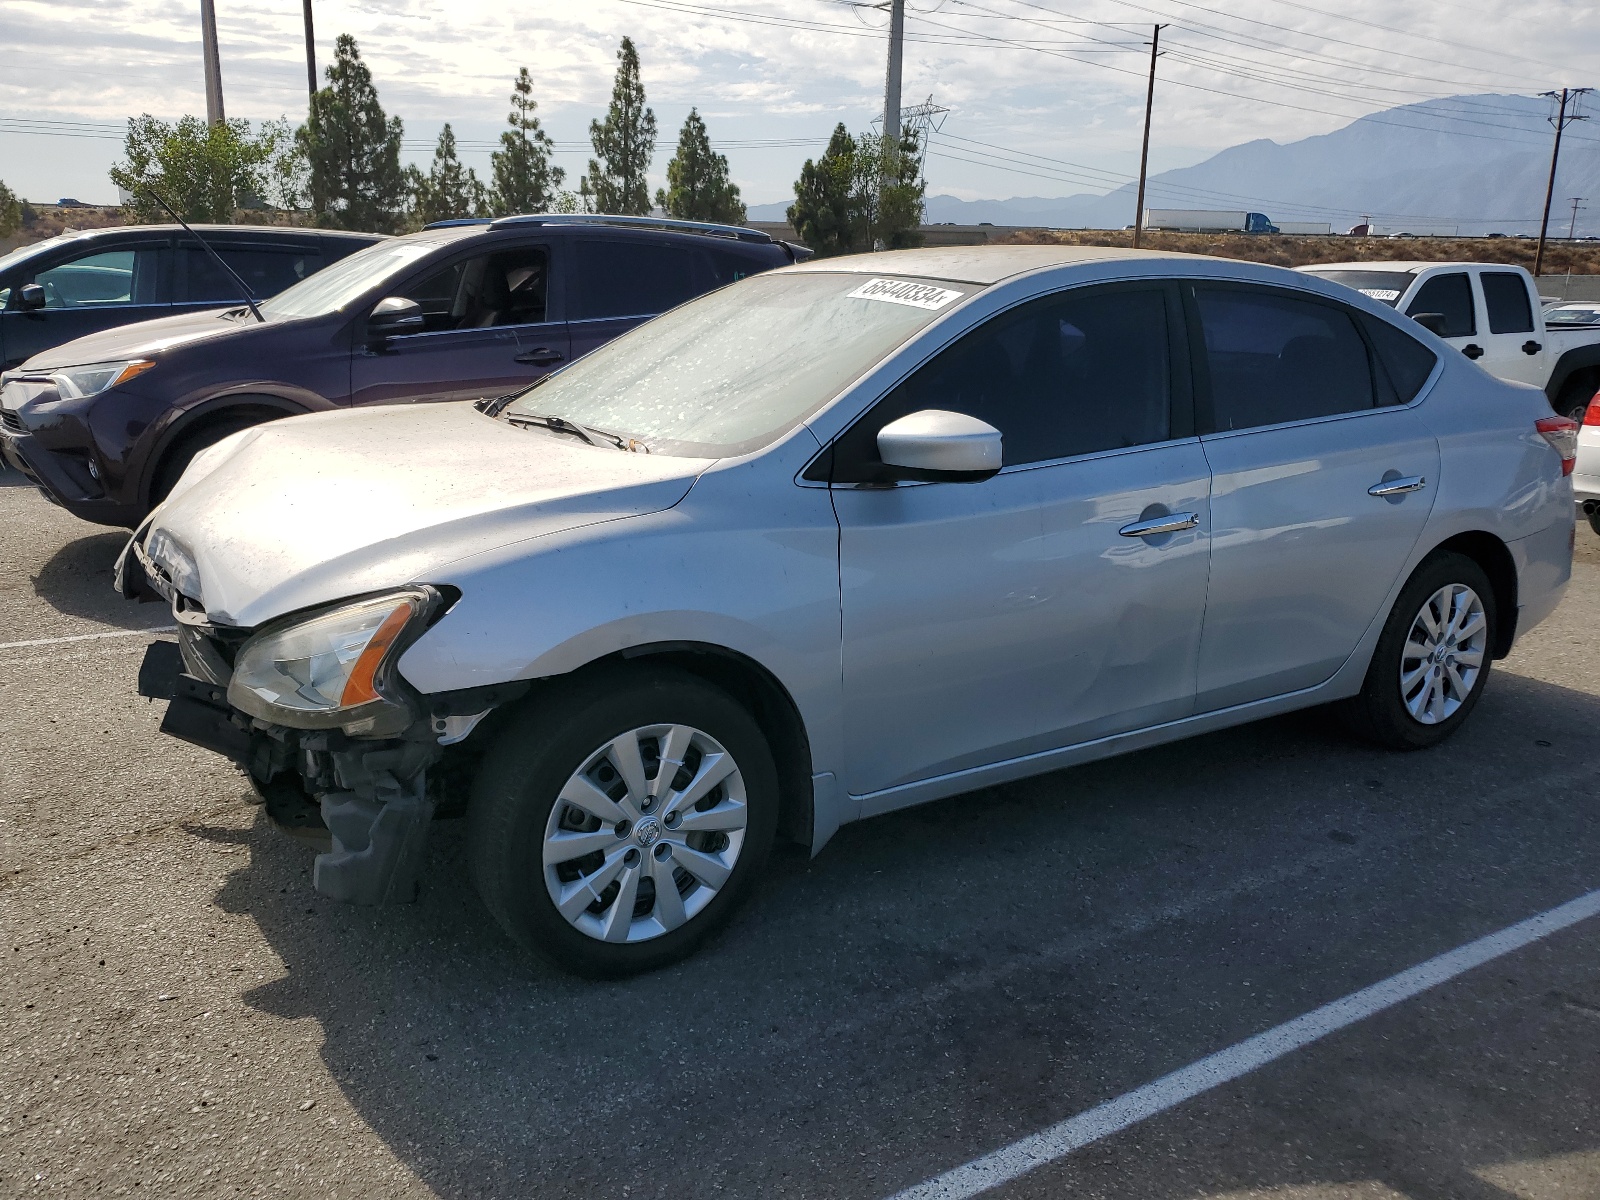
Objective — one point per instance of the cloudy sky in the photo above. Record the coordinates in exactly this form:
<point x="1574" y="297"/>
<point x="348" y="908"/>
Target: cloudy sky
<point x="1045" y="97"/>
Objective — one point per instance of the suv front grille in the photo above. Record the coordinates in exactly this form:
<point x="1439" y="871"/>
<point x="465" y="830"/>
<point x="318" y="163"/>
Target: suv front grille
<point x="12" y="420"/>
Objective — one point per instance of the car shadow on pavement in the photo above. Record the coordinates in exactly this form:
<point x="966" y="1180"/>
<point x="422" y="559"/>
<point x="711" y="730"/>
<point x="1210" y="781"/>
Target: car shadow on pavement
<point x="941" y="981"/>
<point x="76" y="581"/>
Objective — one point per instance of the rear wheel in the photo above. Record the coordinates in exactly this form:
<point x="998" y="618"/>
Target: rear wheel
<point x="617" y="824"/>
<point x="1432" y="659"/>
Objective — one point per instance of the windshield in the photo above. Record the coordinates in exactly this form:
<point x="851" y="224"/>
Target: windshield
<point x="333" y="287"/>
<point x="1387" y="286"/>
<point x="1573" y="316"/>
<point x="729" y="372"/>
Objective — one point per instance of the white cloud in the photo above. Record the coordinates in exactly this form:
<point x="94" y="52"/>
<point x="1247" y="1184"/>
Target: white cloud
<point x="1066" y="98"/>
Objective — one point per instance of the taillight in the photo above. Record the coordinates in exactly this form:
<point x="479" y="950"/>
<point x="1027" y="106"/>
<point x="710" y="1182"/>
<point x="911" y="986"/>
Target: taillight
<point x="1591" y="415"/>
<point x="1562" y="434"/>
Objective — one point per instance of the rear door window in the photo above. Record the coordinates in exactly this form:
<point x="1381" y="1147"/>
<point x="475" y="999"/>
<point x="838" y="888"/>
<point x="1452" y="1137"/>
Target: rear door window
<point x="103" y="279"/>
<point x="1450" y="296"/>
<point x="1404" y="363"/>
<point x="266" y="270"/>
<point x="626" y="278"/>
<point x="1505" y="295"/>
<point x="1272" y="357"/>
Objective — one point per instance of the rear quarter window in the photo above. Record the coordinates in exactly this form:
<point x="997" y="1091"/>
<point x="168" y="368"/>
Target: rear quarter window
<point x="1404" y="363"/>
<point x="628" y="278"/>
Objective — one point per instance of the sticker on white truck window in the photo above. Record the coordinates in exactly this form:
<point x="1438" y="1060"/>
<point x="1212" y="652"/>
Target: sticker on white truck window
<point x="902" y="291"/>
<point x="1389" y="295"/>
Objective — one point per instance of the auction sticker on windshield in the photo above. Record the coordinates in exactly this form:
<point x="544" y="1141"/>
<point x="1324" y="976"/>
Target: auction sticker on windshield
<point x="902" y="291"/>
<point x="1389" y="294"/>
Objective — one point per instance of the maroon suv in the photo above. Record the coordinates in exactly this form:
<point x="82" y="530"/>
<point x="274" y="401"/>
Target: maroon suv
<point x="106" y="424"/>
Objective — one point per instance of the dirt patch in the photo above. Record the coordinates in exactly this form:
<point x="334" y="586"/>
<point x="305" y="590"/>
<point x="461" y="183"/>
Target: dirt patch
<point x="1283" y="251"/>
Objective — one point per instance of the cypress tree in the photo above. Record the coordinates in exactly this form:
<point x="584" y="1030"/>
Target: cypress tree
<point x="447" y="191"/>
<point x="524" y="180"/>
<point x="823" y="212"/>
<point x="353" y="149"/>
<point x="698" y="187"/>
<point x="624" y="143"/>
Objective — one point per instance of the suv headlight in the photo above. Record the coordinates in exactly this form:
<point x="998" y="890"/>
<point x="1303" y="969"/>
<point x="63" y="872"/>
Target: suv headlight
<point x="334" y="668"/>
<point x="79" y="383"/>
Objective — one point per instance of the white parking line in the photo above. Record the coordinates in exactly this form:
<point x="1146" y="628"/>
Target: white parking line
<point x="86" y="637"/>
<point x="1048" y="1145"/>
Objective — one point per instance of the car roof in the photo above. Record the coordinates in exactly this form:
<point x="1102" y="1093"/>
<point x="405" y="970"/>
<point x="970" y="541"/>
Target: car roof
<point x="981" y="264"/>
<point x="1412" y="265"/>
<point x="223" y="230"/>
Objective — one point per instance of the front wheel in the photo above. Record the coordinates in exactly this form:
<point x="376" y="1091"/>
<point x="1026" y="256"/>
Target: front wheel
<point x="1432" y="659"/>
<point x="617" y="823"/>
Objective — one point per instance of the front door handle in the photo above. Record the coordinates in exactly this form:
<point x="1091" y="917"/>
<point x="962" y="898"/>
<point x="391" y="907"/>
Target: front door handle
<point x="540" y="356"/>
<point x="1166" y="523"/>
<point x="1531" y="347"/>
<point x="1398" y="487"/>
<point x="1472" y="350"/>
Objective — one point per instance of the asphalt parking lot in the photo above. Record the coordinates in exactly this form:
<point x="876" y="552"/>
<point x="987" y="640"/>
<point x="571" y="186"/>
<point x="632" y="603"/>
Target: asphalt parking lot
<point x="181" y="1015"/>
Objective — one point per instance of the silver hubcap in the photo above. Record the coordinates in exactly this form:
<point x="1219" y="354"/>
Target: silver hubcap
<point x="645" y="833"/>
<point x="1443" y="655"/>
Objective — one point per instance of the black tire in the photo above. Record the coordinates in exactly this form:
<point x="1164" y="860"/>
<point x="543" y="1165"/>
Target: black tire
<point x="1594" y="521"/>
<point x="178" y="458"/>
<point x="1379" y="713"/>
<point x="537" y="751"/>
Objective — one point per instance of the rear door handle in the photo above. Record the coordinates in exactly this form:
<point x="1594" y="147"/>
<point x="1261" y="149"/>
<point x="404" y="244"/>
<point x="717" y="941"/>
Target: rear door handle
<point x="1167" y="523"/>
<point x="540" y="356"/>
<point x="1531" y="347"/>
<point x="1398" y="487"/>
<point x="1472" y="350"/>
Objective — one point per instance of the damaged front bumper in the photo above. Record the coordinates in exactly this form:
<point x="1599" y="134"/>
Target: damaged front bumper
<point x="371" y="795"/>
<point x="368" y="801"/>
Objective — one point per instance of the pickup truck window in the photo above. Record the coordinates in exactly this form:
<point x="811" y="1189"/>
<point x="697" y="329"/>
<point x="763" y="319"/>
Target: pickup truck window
<point x="1385" y="286"/>
<point x="1506" y="297"/>
<point x="1451" y="296"/>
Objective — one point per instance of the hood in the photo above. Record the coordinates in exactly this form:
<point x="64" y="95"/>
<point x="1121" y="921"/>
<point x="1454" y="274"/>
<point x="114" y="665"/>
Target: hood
<point x="312" y="509"/>
<point x="142" y="339"/>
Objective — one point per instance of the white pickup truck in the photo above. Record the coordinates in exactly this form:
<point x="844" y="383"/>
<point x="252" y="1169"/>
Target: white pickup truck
<point x="1490" y="312"/>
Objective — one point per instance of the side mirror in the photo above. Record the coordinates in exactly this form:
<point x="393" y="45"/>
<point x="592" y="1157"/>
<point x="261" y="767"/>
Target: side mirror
<point x="1432" y="322"/>
<point x="394" y="315"/>
<point x="938" y="445"/>
<point x="30" y="296"/>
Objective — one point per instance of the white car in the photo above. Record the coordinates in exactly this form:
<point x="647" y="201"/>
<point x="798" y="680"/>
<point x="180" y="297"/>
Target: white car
<point x="838" y="539"/>
<point x="1586" y="472"/>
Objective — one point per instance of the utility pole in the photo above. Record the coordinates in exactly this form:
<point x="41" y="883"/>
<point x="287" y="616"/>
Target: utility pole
<point x="311" y="51"/>
<point x="1144" y="152"/>
<point x="1560" y="121"/>
<point x="1577" y="207"/>
<point x="891" y="95"/>
<point x="208" y="47"/>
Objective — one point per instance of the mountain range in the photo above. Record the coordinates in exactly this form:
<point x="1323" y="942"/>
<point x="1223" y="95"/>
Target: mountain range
<point x="1463" y="164"/>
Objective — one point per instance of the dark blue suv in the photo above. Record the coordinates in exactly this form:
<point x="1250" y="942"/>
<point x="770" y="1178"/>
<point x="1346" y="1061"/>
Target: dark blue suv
<point x="106" y="424"/>
<point x="80" y="283"/>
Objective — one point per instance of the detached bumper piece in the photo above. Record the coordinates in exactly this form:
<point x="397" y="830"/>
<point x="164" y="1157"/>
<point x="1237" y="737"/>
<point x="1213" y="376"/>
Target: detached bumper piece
<point x="372" y="794"/>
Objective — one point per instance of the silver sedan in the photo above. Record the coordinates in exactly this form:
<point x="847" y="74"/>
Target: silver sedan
<point x="835" y="540"/>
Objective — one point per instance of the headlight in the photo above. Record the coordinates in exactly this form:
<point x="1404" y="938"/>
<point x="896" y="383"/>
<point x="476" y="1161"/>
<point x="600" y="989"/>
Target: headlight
<point x="78" y="383"/>
<point x="330" y="669"/>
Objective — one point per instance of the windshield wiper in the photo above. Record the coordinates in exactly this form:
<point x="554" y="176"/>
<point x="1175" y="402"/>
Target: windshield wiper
<point x="595" y="437"/>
